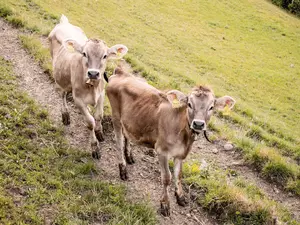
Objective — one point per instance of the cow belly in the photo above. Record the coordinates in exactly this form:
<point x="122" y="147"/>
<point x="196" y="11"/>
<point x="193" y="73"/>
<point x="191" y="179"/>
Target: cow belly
<point x="140" y="137"/>
<point x="63" y="80"/>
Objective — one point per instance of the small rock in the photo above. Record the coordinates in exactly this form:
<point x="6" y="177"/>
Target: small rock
<point x="237" y="163"/>
<point x="290" y="194"/>
<point x="203" y="165"/>
<point x="276" y="190"/>
<point x="292" y="65"/>
<point x="195" y="210"/>
<point x="215" y="151"/>
<point x="188" y="215"/>
<point x="228" y="146"/>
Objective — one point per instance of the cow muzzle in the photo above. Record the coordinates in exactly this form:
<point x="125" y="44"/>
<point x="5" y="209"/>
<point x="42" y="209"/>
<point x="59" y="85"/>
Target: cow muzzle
<point x="198" y="125"/>
<point x="93" y="74"/>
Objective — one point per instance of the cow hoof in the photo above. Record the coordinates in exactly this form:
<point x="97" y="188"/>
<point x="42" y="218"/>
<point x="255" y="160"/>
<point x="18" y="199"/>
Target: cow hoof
<point x="181" y="200"/>
<point x="129" y="159"/>
<point x="99" y="135"/>
<point x="164" y="209"/>
<point x="65" y="118"/>
<point x="123" y="172"/>
<point x="96" y="155"/>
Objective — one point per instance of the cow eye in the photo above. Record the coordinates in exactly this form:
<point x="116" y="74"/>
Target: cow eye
<point x="190" y="105"/>
<point x="104" y="57"/>
<point x="211" y="108"/>
<point x="84" y="54"/>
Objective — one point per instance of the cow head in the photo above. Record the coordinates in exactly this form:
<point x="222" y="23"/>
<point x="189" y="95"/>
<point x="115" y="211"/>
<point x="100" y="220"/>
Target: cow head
<point x="200" y="105"/>
<point x="95" y="54"/>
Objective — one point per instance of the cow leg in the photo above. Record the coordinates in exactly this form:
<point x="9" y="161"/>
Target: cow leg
<point x="177" y="179"/>
<point x="65" y="112"/>
<point x="166" y="181"/>
<point x="128" y="152"/>
<point x="98" y="118"/>
<point x="120" y="144"/>
<point x="89" y="119"/>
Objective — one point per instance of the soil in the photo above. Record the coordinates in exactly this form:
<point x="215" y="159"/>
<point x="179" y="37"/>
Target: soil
<point x="144" y="176"/>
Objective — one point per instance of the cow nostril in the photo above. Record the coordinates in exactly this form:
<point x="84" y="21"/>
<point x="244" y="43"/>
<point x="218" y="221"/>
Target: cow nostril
<point x="198" y="125"/>
<point x="93" y="74"/>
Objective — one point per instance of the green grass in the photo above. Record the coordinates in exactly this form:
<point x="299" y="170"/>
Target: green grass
<point x="39" y="52"/>
<point x="232" y="199"/>
<point x="246" y="49"/>
<point x="269" y="161"/>
<point x="43" y="179"/>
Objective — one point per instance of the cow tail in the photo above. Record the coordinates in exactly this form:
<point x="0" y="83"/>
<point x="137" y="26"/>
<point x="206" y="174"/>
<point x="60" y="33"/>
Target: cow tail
<point x="105" y="76"/>
<point x="64" y="19"/>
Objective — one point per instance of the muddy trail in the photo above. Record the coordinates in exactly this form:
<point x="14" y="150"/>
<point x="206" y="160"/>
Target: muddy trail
<point x="144" y="175"/>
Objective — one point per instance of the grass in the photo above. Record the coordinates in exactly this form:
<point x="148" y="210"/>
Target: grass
<point x="43" y="180"/>
<point x="247" y="49"/>
<point x="232" y="199"/>
<point x="39" y="52"/>
<point x="273" y="166"/>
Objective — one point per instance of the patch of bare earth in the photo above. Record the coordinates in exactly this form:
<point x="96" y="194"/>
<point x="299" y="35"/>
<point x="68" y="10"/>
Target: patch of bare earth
<point x="144" y="175"/>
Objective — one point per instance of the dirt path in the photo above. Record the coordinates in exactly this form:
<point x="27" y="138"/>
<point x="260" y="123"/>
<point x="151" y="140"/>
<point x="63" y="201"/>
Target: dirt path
<point x="144" y="175"/>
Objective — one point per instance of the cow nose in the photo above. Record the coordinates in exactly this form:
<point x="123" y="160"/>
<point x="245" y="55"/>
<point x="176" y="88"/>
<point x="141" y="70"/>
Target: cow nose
<point x="93" y="74"/>
<point x="198" y="125"/>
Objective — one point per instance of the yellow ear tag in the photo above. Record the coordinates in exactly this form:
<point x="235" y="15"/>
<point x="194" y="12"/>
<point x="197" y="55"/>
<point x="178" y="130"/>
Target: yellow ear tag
<point x="70" y="47"/>
<point x="175" y="103"/>
<point x="226" y="111"/>
<point x="119" y="52"/>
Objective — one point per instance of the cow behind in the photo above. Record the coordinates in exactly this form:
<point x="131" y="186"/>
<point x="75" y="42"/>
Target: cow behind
<point x="146" y="116"/>
<point x="79" y="64"/>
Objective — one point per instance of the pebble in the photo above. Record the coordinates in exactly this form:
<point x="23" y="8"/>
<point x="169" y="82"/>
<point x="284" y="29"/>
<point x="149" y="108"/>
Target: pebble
<point x="188" y="215"/>
<point x="215" y="150"/>
<point x="276" y="190"/>
<point x="228" y="146"/>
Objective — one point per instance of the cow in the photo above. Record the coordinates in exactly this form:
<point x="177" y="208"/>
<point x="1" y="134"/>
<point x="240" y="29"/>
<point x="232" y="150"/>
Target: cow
<point x="79" y="65"/>
<point x="167" y="122"/>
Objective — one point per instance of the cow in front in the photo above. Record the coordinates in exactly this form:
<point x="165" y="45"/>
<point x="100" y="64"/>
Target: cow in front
<point x="79" y="64"/>
<point x="166" y="122"/>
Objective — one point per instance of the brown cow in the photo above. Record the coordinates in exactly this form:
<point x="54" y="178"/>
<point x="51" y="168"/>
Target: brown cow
<point x="78" y="66"/>
<point x="146" y="116"/>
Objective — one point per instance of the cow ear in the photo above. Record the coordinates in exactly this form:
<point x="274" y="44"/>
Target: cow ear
<point x="117" y="51"/>
<point x="72" y="45"/>
<point x="225" y="101"/>
<point x="177" y="98"/>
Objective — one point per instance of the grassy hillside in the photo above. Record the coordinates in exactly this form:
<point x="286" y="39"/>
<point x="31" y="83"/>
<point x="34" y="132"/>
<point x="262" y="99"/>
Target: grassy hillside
<point x="246" y="49"/>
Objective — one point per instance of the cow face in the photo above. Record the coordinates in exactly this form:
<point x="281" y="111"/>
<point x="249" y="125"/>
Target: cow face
<point x="95" y="54"/>
<point x="200" y="105"/>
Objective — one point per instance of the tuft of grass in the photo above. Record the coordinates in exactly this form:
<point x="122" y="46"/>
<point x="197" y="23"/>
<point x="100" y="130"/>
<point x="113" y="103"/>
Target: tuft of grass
<point x="41" y="54"/>
<point x="5" y="11"/>
<point x="232" y="200"/>
<point x="43" y="180"/>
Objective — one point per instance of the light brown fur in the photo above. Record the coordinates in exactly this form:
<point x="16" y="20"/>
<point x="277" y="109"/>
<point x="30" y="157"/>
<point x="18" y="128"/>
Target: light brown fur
<point x="145" y="115"/>
<point x="81" y="72"/>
